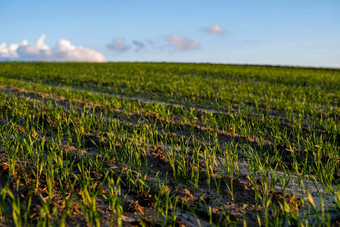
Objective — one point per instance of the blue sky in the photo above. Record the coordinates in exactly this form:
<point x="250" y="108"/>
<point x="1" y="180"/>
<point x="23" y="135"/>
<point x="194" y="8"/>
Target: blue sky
<point x="287" y="32"/>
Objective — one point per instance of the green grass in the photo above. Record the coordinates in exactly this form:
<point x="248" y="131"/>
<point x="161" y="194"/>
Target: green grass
<point x="168" y="144"/>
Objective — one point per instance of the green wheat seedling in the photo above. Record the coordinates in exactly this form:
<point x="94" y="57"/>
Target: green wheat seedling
<point x="92" y="133"/>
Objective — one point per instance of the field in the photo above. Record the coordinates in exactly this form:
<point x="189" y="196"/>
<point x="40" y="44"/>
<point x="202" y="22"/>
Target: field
<point x="168" y="144"/>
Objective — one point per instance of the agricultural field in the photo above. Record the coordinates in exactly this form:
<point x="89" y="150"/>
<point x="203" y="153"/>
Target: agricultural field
<point x="168" y="144"/>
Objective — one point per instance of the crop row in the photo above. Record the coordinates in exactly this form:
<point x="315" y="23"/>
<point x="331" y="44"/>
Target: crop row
<point x="101" y="144"/>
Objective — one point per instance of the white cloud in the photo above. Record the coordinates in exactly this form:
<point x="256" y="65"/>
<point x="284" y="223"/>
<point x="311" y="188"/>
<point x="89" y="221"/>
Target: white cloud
<point x="63" y="51"/>
<point x="118" y="44"/>
<point x="41" y="43"/>
<point x="8" y="52"/>
<point x="214" y="28"/>
<point x="182" y="43"/>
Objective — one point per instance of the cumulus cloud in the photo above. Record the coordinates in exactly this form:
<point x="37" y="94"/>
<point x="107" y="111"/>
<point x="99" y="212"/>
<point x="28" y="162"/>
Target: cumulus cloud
<point x="41" y="43"/>
<point x="119" y="45"/>
<point x="63" y="51"/>
<point x="8" y="51"/>
<point x="214" y="29"/>
<point x="138" y="44"/>
<point x="182" y="43"/>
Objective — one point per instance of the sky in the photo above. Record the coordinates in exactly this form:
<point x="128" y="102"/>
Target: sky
<point x="290" y="32"/>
